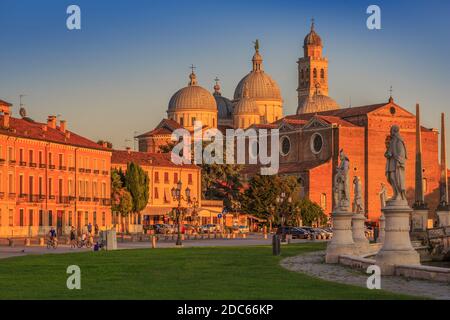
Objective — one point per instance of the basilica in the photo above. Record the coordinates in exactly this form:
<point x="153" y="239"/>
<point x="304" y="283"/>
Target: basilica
<point x="311" y="139"/>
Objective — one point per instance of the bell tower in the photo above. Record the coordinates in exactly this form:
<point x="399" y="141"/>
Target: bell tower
<point x="312" y="67"/>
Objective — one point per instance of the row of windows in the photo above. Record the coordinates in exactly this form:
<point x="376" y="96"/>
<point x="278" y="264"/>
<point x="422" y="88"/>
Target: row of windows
<point x="52" y="219"/>
<point x="30" y="157"/>
<point x="305" y="73"/>
<point x="193" y="119"/>
<point x="84" y="187"/>
<point x="175" y="178"/>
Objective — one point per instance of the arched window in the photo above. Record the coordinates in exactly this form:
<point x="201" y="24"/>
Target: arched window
<point x="322" y="74"/>
<point x="315" y="73"/>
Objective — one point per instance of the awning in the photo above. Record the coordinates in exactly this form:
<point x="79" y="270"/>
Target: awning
<point x="156" y="211"/>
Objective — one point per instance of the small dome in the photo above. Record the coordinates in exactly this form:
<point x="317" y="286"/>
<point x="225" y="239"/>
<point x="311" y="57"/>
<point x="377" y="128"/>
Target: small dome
<point x="246" y="105"/>
<point x="192" y="97"/>
<point x="316" y="103"/>
<point x="224" y="105"/>
<point x="312" y="38"/>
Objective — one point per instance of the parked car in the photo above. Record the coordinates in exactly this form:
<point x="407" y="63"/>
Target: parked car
<point x="243" y="229"/>
<point x="209" y="228"/>
<point x="296" y="233"/>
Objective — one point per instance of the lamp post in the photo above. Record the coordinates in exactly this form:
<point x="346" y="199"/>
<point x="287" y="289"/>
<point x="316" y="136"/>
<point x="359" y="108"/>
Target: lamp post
<point x="281" y="200"/>
<point x="179" y="210"/>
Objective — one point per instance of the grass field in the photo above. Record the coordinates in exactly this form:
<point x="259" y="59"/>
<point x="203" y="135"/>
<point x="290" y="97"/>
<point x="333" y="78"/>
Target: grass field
<point x="187" y="273"/>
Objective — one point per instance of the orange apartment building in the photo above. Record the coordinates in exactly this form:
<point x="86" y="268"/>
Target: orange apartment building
<point x="164" y="175"/>
<point x="50" y="177"/>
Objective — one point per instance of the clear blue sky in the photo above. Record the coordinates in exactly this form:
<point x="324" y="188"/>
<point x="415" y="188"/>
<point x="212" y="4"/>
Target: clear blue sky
<point x="117" y="74"/>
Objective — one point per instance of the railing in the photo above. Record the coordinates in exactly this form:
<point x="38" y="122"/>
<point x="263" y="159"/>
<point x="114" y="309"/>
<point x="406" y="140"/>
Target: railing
<point x="12" y="195"/>
<point x="63" y="200"/>
<point x="63" y="168"/>
<point x="106" y="202"/>
<point x="2" y="161"/>
<point x="87" y="170"/>
<point x="22" y="163"/>
<point x="105" y="172"/>
<point x="12" y="161"/>
<point x="72" y="169"/>
<point x="36" y="198"/>
<point x="2" y="195"/>
<point x="51" y="166"/>
<point x="96" y="171"/>
<point x="42" y="165"/>
<point x="33" y="165"/>
<point x="51" y="197"/>
<point x="81" y="170"/>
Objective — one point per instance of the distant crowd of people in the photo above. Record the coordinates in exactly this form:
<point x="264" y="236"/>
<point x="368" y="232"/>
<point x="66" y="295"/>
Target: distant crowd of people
<point x="86" y="238"/>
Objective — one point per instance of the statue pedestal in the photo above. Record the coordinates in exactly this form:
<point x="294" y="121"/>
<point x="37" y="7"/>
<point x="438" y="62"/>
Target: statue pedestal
<point x="359" y="236"/>
<point x="419" y="219"/>
<point x="342" y="241"/>
<point x="381" y="235"/>
<point x="444" y="218"/>
<point x="397" y="248"/>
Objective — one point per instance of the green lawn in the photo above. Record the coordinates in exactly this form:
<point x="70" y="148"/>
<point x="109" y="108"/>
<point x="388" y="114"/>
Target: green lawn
<point x="187" y="273"/>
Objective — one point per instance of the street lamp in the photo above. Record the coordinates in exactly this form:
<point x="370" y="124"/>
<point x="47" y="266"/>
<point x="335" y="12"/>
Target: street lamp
<point x="281" y="200"/>
<point x="179" y="210"/>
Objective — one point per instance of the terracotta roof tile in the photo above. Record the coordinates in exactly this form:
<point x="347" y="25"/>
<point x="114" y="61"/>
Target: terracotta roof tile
<point x="146" y="159"/>
<point x="27" y="128"/>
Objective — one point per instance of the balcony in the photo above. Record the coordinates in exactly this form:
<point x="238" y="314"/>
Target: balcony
<point x="96" y="171"/>
<point x="33" y="165"/>
<point x="23" y="197"/>
<point x="51" y="197"/>
<point x="36" y="198"/>
<point x="96" y="199"/>
<point x="81" y="199"/>
<point x="42" y="197"/>
<point x="81" y="170"/>
<point x="72" y="169"/>
<point x="51" y="166"/>
<point x="12" y="195"/>
<point x="2" y="161"/>
<point x="88" y="170"/>
<point x="106" y="202"/>
<point x="72" y="198"/>
<point x="12" y="162"/>
<point x="22" y="163"/>
<point x="2" y="195"/>
<point x="105" y="172"/>
<point x="62" y="200"/>
<point x="42" y="165"/>
<point x="62" y="168"/>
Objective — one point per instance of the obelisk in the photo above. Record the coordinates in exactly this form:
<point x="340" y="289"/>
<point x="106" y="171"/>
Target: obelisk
<point x="420" y="214"/>
<point x="443" y="210"/>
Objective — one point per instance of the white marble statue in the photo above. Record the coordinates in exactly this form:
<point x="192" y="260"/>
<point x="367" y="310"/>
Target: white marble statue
<point x="395" y="164"/>
<point x="358" y="205"/>
<point x="383" y="195"/>
<point x="342" y="183"/>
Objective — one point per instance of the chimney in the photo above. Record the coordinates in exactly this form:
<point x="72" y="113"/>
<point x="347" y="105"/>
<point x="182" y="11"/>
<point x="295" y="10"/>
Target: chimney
<point x="51" y="122"/>
<point x="5" y="119"/>
<point x="62" y="126"/>
<point x="128" y="150"/>
<point x="5" y="109"/>
<point x="104" y="144"/>
<point x="44" y="127"/>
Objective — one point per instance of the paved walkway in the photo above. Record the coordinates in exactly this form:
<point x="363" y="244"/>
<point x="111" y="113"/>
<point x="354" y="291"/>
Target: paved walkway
<point x="313" y="264"/>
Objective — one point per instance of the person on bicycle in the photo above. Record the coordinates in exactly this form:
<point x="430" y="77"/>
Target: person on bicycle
<point x="89" y="228"/>
<point x="52" y="234"/>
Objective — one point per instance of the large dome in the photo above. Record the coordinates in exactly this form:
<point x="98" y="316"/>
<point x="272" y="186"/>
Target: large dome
<point x="258" y="83"/>
<point x="316" y="103"/>
<point x="192" y="97"/>
<point x="246" y="106"/>
<point x="260" y="86"/>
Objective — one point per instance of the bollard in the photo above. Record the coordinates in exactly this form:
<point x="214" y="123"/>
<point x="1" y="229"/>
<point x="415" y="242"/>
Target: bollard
<point x="68" y="241"/>
<point x="27" y="242"/>
<point x="153" y="242"/>
<point x="265" y="236"/>
<point x="233" y="235"/>
<point x="244" y="236"/>
<point x="41" y="242"/>
<point x="276" y="245"/>
<point x="182" y="237"/>
<point x="11" y="242"/>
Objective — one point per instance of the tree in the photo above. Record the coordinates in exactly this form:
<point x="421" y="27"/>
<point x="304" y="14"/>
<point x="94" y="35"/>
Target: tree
<point x="122" y="204"/>
<point x="310" y="212"/>
<point x="137" y="183"/>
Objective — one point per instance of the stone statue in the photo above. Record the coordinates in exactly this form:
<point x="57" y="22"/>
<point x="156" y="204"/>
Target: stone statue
<point x="256" y="43"/>
<point x="382" y="195"/>
<point x="358" y="206"/>
<point x="395" y="164"/>
<point x="342" y="183"/>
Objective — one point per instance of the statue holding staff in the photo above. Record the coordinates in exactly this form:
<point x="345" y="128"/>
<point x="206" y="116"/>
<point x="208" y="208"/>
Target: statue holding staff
<point x="395" y="164"/>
